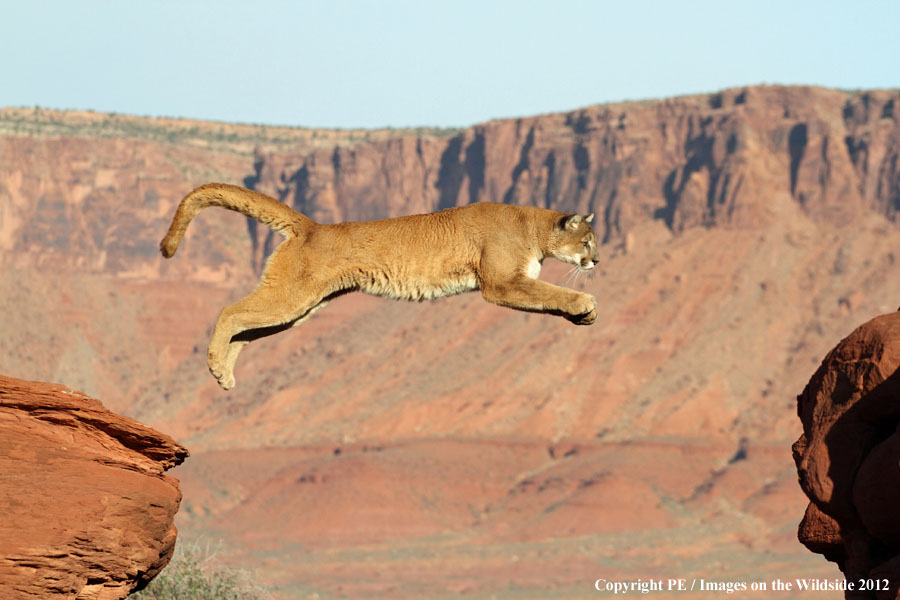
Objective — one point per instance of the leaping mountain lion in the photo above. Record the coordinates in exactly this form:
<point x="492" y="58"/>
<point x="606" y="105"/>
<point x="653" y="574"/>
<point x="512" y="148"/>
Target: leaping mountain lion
<point x="495" y="248"/>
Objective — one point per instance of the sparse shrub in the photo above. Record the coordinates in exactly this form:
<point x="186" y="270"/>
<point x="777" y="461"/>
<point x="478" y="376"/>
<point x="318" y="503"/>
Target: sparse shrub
<point x="196" y="572"/>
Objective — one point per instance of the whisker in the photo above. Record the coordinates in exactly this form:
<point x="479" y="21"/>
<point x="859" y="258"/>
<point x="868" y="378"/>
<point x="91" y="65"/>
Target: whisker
<point x="576" y="272"/>
<point x="579" y="277"/>
<point x="587" y="273"/>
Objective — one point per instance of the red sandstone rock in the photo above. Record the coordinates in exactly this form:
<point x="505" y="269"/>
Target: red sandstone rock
<point x="876" y="490"/>
<point x="844" y="408"/>
<point x="821" y="534"/>
<point x="848" y="458"/>
<point x="730" y="158"/>
<point x="86" y="510"/>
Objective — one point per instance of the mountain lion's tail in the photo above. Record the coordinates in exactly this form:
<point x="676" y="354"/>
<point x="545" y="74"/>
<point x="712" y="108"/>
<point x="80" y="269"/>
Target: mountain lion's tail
<point x="264" y="209"/>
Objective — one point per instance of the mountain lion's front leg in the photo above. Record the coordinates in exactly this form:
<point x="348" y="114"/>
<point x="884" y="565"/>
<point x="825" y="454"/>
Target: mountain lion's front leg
<point x="532" y="295"/>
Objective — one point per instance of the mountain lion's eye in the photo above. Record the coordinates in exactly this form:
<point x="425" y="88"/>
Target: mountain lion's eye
<point x="587" y="244"/>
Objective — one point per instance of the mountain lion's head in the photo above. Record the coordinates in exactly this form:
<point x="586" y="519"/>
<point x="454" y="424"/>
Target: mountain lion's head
<point x="574" y="242"/>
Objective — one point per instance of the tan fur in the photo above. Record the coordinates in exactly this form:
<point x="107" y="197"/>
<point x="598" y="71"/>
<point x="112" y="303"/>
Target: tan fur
<point x="496" y="248"/>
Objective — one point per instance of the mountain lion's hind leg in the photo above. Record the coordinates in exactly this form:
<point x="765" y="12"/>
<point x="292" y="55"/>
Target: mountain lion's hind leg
<point x="280" y="300"/>
<point x="231" y="356"/>
<point x="251" y="335"/>
<point x="266" y="311"/>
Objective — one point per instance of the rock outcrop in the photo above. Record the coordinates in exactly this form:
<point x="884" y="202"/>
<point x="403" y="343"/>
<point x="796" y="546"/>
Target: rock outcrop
<point x="848" y="457"/>
<point x="87" y="511"/>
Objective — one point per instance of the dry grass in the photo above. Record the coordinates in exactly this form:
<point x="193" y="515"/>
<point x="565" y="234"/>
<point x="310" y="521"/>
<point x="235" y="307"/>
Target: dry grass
<point x="197" y="572"/>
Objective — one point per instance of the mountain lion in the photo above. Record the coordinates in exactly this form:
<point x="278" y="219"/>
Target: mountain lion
<point x="495" y="248"/>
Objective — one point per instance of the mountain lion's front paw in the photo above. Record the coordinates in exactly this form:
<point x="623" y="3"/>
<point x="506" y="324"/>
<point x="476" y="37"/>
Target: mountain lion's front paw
<point x="587" y="319"/>
<point x="584" y="310"/>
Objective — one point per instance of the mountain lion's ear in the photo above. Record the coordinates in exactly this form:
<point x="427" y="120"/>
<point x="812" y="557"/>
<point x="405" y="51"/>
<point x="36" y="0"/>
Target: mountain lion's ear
<point x="570" y="222"/>
<point x="589" y="218"/>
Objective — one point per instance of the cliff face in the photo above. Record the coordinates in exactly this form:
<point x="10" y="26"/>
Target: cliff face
<point x="848" y="457"/>
<point x="73" y="198"/>
<point x="731" y="158"/>
<point x="87" y="509"/>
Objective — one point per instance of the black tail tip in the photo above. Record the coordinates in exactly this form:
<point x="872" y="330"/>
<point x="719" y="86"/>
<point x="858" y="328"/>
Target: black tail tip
<point x="167" y="249"/>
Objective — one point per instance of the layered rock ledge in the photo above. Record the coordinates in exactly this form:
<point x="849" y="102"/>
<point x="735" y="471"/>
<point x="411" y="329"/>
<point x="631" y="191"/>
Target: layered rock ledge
<point x="848" y="457"/>
<point x="86" y="511"/>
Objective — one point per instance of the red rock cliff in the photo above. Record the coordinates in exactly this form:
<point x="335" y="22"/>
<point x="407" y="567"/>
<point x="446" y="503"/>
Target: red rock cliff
<point x="87" y="510"/>
<point x="848" y="457"/>
<point x="731" y="158"/>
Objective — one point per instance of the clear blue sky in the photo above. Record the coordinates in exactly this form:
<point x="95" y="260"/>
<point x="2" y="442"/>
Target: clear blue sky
<point x="404" y="63"/>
